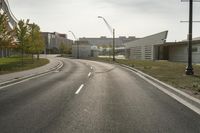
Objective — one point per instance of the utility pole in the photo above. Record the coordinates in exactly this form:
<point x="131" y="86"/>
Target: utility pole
<point x="113" y="44"/>
<point x="77" y="43"/>
<point x="189" y="69"/>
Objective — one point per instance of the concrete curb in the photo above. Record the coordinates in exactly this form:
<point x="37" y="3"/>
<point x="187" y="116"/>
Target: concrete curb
<point x="55" y="68"/>
<point x="180" y="96"/>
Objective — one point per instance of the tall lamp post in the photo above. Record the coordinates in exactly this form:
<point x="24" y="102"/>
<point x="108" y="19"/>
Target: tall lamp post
<point x="189" y="69"/>
<point x="112" y="30"/>
<point x="76" y="41"/>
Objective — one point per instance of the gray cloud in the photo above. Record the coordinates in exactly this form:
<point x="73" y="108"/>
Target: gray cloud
<point x="127" y="15"/>
<point x="145" y="6"/>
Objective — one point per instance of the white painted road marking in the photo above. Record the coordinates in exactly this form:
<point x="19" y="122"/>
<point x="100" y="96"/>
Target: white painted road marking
<point x="29" y="77"/>
<point x="24" y="80"/>
<point x="89" y="74"/>
<point x="57" y="71"/>
<point x="81" y="87"/>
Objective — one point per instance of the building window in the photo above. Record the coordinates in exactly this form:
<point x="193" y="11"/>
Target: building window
<point x="194" y="49"/>
<point x="49" y="39"/>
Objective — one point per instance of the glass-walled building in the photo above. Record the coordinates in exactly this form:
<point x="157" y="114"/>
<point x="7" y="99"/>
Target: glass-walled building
<point x="53" y="40"/>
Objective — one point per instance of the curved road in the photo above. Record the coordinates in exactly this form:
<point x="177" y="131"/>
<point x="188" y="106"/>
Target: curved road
<point x="110" y="99"/>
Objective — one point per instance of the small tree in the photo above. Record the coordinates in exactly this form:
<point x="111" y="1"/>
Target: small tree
<point x="6" y="35"/>
<point x="64" y="49"/>
<point x="36" y="41"/>
<point x="29" y="38"/>
<point x="22" y="34"/>
<point x="61" y="48"/>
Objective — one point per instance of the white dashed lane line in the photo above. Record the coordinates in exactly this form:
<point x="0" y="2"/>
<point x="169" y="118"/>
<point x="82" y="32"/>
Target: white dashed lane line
<point x="89" y="74"/>
<point x="79" y="89"/>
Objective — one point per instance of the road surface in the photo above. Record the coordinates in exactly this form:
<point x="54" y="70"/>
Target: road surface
<point x="92" y="97"/>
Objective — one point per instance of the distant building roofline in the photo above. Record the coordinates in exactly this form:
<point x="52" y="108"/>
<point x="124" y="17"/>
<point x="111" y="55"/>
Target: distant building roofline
<point x="105" y="37"/>
<point x="138" y="41"/>
<point x="179" y="43"/>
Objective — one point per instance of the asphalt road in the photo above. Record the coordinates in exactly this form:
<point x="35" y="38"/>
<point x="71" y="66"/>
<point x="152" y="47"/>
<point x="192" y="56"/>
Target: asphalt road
<point x="109" y="100"/>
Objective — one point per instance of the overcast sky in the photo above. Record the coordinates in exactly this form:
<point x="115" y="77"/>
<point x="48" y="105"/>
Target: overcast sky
<point x="129" y="17"/>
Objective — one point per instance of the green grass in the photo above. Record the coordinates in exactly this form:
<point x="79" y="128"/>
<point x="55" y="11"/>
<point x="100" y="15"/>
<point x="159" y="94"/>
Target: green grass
<point x="14" y="64"/>
<point x="168" y="72"/>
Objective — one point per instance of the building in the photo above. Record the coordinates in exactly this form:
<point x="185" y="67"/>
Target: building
<point x="4" y="7"/>
<point x="147" y="48"/>
<point x="104" y="41"/>
<point x="81" y="50"/>
<point x="12" y="22"/>
<point x="94" y="51"/>
<point x="53" y="40"/>
<point x="154" y="47"/>
<point x="178" y="51"/>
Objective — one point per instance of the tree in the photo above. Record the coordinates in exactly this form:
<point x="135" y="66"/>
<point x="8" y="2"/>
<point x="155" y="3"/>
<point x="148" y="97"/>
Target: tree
<point x="22" y="33"/>
<point x="6" y="35"/>
<point x="61" y="48"/>
<point x="36" y="41"/>
<point x="64" y="49"/>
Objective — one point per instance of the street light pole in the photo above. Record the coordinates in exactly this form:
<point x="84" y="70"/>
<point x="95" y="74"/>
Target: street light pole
<point x="76" y="43"/>
<point x="113" y="44"/>
<point x="112" y="30"/>
<point x="189" y="69"/>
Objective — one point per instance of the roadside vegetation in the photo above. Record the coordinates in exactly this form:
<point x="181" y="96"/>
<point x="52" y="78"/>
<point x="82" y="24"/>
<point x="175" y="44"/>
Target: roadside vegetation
<point x="14" y="64"/>
<point x="65" y="50"/>
<point x="169" y="72"/>
<point x="29" y="39"/>
<point x="19" y="45"/>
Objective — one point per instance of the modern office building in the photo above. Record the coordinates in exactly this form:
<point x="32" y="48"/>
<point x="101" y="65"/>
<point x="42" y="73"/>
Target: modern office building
<point x="81" y="50"/>
<point x="146" y="48"/>
<point x="12" y="22"/>
<point x="53" y="40"/>
<point x="5" y="8"/>
<point x="95" y="51"/>
<point x="178" y="51"/>
<point x="154" y="47"/>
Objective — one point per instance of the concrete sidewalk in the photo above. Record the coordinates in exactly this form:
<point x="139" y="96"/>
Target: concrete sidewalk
<point x="53" y="64"/>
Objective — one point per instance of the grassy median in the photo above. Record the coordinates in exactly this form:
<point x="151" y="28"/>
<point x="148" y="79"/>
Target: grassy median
<point x="168" y="72"/>
<point x="14" y="64"/>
